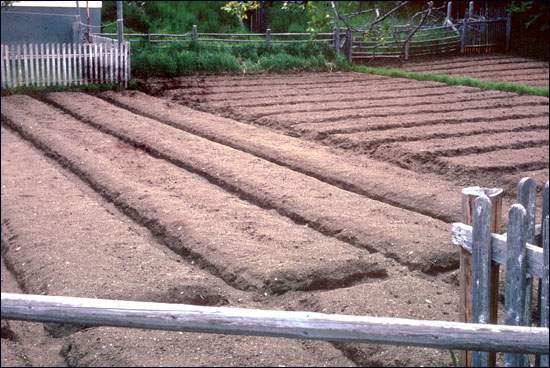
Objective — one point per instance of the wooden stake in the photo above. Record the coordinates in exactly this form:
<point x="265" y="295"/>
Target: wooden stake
<point x="468" y="197"/>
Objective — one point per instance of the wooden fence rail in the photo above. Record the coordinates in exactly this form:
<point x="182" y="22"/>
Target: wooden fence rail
<point x="64" y="64"/>
<point x="255" y="322"/>
<point x="524" y="255"/>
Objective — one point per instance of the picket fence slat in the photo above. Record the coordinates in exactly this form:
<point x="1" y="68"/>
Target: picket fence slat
<point x="545" y="296"/>
<point x="8" y="66"/>
<point x="481" y="269"/>
<point x="69" y="64"/>
<point x="58" y="58"/>
<point x="516" y="267"/>
<point x="526" y="196"/>
<point x="31" y="65"/>
<point x="26" y="60"/>
<point x="80" y="57"/>
<point x="3" y="75"/>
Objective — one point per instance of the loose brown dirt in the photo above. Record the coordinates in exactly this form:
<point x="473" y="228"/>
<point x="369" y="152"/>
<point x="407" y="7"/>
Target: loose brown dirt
<point x="342" y="207"/>
<point x="380" y="118"/>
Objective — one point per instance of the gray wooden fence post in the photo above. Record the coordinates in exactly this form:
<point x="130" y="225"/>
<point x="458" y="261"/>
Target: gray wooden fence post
<point x="194" y="33"/>
<point x="526" y="196"/>
<point x="349" y="44"/>
<point x="516" y="268"/>
<point x="481" y="270"/>
<point x="545" y="296"/>
<point x="465" y="308"/>
<point x="463" y="33"/>
<point x="508" y="31"/>
<point x="76" y="29"/>
<point x="119" y="22"/>
<point x="449" y="10"/>
<point x="336" y="39"/>
<point x="407" y="49"/>
<point x="268" y="37"/>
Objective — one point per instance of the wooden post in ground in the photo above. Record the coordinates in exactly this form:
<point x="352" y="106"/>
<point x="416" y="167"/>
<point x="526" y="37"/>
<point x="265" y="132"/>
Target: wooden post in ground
<point x="481" y="270"/>
<point x="449" y="10"/>
<point x="336" y="40"/>
<point x="268" y="37"/>
<point x="516" y="272"/>
<point x="508" y="31"/>
<point x="119" y="22"/>
<point x="194" y="33"/>
<point x="349" y="43"/>
<point x="465" y="309"/>
<point x="463" y="33"/>
<point x="407" y="49"/>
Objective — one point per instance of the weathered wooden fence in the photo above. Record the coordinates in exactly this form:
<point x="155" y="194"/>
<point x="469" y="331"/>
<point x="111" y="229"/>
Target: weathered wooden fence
<point x="522" y="250"/>
<point x="255" y="322"/>
<point x="225" y="39"/>
<point x="50" y="64"/>
<point x="428" y="41"/>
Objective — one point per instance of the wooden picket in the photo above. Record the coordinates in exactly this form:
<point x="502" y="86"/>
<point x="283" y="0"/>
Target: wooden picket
<point x="64" y="64"/>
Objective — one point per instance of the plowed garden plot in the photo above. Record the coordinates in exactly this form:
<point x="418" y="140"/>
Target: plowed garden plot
<point x="124" y="195"/>
<point x="422" y="126"/>
<point x="496" y="68"/>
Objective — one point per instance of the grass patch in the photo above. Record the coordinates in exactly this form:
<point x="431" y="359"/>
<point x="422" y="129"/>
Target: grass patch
<point x="36" y="90"/>
<point x="188" y="58"/>
<point x="454" y="80"/>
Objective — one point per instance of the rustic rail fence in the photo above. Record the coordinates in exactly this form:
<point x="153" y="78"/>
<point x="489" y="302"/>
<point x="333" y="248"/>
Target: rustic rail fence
<point x="225" y="39"/>
<point x="255" y="322"/>
<point x="522" y="250"/>
<point x="64" y="64"/>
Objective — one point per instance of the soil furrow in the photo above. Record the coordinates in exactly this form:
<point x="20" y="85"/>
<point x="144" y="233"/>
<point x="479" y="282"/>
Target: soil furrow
<point x="369" y="140"/>
<point x="457" y="146"/>
<point x="333" y="97"/>
<point x="363" y="176"/>
<point x="316" y="130"/>
<point x="249" y="247"/>
<point x="494" y="75"/>
<point x="206" y="83"/>
<point x="111" y="346"/>
<point x="261" y="88"/>
<point x="408" y="85"/>
<point x="524" y="159"/>
<point x="52" y="230"/>
<point x="256" y="113"/>
<point x="254" y="79"/>
<point x="290" y="119"/>
<point x="480" y="66"/>
<point x="431" y="300"/>
<point x="463" y="61"/>
<point x="347" y="216"/>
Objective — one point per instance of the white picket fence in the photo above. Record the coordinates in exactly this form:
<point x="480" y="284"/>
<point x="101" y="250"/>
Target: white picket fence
<point x="65" y="64"/>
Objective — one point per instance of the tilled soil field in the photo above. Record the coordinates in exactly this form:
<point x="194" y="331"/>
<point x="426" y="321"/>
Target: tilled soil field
<point x="462" y="135"/>
<point x="129" y="196"/>
<point x="492" y="68"/>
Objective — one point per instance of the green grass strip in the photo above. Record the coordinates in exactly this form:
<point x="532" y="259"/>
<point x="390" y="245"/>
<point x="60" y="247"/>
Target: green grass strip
<point x="521" y="89"/>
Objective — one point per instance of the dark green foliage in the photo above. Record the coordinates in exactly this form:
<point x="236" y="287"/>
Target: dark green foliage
<point x="189" y="57"/>
<point x="172" y="16"/>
